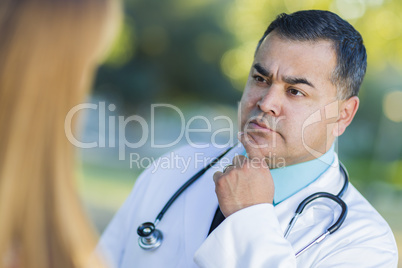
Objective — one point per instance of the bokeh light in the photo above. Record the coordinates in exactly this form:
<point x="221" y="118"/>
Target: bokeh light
<point x="392" y="106"/>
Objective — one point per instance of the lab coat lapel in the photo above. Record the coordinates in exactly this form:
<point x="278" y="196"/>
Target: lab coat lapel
<point x="201" y="203"/>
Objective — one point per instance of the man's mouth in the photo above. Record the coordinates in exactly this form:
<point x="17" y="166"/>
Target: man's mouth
<point x="260" y="125"/>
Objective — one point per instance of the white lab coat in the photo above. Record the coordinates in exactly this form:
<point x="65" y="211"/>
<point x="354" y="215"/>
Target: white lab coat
<point x="251" y="237"/>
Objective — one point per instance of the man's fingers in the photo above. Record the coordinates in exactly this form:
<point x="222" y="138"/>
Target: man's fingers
<point x="228" y="168"/>
<point x="217" y="175"/>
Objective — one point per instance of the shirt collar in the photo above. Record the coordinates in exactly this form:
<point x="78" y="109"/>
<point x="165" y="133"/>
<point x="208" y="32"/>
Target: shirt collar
<point x="291" y="179"/>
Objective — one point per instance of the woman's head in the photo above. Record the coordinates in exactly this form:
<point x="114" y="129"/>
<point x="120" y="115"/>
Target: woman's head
<point x="49" y="50"/>
<point x="49" y="38"/>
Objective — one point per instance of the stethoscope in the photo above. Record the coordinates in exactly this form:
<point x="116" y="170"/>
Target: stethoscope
<point x="151" y="238"/>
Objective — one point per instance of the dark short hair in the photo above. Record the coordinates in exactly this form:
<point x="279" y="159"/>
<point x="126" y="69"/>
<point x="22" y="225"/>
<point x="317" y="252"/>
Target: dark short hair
<point x="316" y="25"/>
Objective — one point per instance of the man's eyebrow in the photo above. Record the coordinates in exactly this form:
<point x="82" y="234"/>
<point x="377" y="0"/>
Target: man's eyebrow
<point x="297" y="80"/>
<point x="287" y="79"/>
<point x="262" y="70"/>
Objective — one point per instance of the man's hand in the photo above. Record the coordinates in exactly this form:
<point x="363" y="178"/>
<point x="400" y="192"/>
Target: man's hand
<point x="246" y="183"/>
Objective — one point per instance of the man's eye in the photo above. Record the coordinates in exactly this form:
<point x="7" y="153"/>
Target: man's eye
<point x="259" y="78"/>
<point x="295" y="92"/>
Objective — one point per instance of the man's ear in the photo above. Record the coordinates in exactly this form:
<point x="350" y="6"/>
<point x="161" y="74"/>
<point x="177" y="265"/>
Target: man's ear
<point x="347" y="111"/>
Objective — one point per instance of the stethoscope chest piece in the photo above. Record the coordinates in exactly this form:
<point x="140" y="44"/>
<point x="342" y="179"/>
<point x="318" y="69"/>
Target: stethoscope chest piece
<point x="150" y="237"/>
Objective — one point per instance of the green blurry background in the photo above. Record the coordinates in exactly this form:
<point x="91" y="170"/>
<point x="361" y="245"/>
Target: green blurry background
<point x="196" y="54"/>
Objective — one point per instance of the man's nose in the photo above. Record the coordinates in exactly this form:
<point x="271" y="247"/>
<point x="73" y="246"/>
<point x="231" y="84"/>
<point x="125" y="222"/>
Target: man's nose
<point x="271" y="101"/>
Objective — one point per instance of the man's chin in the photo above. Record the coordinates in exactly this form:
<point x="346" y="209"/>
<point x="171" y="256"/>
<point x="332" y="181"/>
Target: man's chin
<point x="261" y="142"/>
<point x="273" y="154"/>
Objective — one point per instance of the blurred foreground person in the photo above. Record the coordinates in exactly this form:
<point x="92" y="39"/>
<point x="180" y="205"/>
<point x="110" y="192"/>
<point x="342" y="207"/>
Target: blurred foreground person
<point x="49" y="50"/>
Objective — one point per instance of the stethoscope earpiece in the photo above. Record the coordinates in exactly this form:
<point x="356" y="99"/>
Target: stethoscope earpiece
<point x="150" y="237"/>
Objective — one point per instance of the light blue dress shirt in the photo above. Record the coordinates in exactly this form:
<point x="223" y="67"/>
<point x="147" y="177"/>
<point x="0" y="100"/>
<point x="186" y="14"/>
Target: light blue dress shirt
<point x="291" y="179"/>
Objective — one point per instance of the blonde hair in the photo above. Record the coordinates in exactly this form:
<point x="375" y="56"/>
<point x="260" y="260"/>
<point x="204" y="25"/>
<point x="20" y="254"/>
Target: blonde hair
<point x="49" y="50"/>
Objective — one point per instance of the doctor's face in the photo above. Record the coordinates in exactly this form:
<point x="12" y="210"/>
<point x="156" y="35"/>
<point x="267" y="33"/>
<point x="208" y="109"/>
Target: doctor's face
<point x="289" y="105"/>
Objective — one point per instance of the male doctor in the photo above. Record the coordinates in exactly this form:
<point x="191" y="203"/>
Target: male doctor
<point x="300" y="95"/>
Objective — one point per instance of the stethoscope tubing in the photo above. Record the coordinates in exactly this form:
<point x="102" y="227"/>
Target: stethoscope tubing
<point x="336" y="198"/>
<point x="188" y="183"/>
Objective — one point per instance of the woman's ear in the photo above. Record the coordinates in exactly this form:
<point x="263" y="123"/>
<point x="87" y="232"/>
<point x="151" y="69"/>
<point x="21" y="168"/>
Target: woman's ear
<point x="347" y="111"/>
